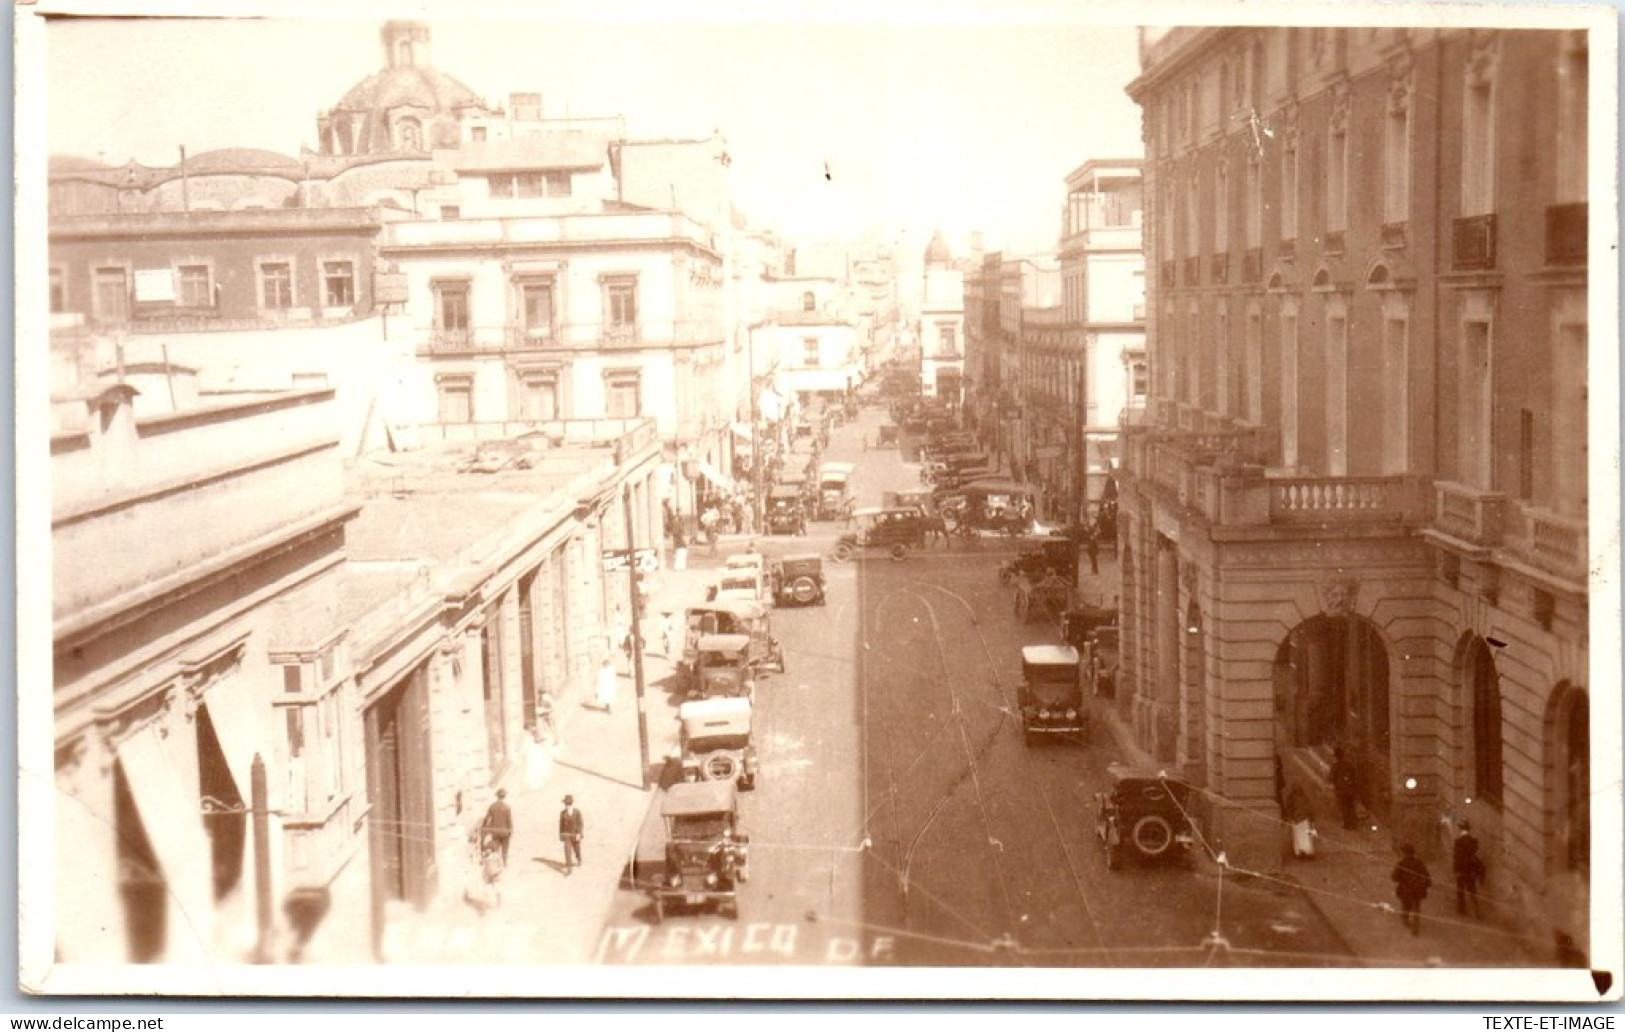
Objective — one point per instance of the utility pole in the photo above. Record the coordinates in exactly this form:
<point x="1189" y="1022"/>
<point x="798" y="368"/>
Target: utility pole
<point x="637" y="638"/>
<point x="259" y="797"/>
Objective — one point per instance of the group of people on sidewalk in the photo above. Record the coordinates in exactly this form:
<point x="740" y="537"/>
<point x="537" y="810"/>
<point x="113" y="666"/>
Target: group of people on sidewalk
<point x="1411" y="877"/>
<point x="495" y="833"/>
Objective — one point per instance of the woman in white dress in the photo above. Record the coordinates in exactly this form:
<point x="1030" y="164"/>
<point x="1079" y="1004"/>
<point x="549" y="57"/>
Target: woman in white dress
<point x="606" y="684"/>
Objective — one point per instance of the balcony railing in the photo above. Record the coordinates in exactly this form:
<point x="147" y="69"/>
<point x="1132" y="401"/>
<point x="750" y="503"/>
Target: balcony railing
<point x="1549" y="541"/>
<point x="1288" y="247"/>
<point x="531" y="337"/>
<point x="1394" y="234"/>
<point x="1473" y="243"/>
<point x="1566" y="226"/>
<point x="581" y="336"/>
<point x="1336" y="241"/>
<point x="1470" y="515"/>
<point x="1346" y="499"/>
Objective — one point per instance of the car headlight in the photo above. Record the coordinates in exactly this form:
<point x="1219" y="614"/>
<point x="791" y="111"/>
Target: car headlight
<point x="1072" y="714"/>
<point x="711" y="879"/>
<point x="1043" y="714"/>
<point x="675" y="880"/>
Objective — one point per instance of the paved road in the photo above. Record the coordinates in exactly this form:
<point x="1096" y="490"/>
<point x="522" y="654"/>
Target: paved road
<point x="900" y="819"/>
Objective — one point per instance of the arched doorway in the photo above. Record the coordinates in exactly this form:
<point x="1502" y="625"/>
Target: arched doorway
<point x="1482" y="685"/>
<point x="1332" y="690"/>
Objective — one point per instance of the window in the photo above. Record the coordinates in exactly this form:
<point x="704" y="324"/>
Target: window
<point x="1289" y="386"/>
<point x="809" y="303"/>
<point x="1193" y="214"/>
<point x="1396" y="154"/>
<point x="536" y="308"/>
<point x="538" y="395"/>
<point x="1289" y="187"/>
<point x="620" y="306"/>
<point x="1478" y="135"/>
<point x="193" y="287"/>
<point x="1526" y="455"/>
<point x="1252" y="369"/>
<point x="621" y="395"/>
<point x="947" y="341"/>
<point x="1474" y="415"/>
<point x="477" y="134"/>
<point x="1254" y="204"/>
<point x="515" y="185"/>
<point x="1223" y="384"/>
<point x="1221" y="208"/>
<point x="59" y="291"/>
<point x="1139" y="382"/>
<point x="809" y="351"/>
<point x="1337" y="157"/>
<point x="111" y="299"/>
<point x="451" y="305"/>
<point x="276" y="285"/>
<point x="450" y="212"/>
<point x="338" y="284"/>
<point x="1396" y="382"/>
<point x="1337" y="389"/>
<point x="1570" y="401"/>
<point x="411" y="135"/>
<point x="556" y="184"/>
<point x="1573" y="72"/>
<point x="455" y="393"/>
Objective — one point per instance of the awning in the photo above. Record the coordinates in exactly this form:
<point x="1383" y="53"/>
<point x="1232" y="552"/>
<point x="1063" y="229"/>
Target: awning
<point x="716" y="476"/>
<point x="173" y="818"/>
<point x="242" y="733"/>
<point x="742" y="431"/>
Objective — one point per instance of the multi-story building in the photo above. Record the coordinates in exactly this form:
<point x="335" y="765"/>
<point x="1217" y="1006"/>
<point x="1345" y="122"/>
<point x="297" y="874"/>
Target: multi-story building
<point x="942" y="324"/>
<point x="1355" y="517"/>
<point x="1103" y="306"/>
<point x="810" y="340"/>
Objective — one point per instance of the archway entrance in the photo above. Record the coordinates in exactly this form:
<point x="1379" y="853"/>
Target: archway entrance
<point x="1331" y="690"/>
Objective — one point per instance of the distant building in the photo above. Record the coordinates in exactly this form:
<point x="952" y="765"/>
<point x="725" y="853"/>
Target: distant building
<point x="812" y="344"/>
<point x="942" y="325"/>
<point x="1355" y="513"/>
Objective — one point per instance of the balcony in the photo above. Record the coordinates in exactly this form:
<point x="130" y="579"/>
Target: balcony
<point x="531" y="338"/>
<point x="1566" y="226"/>
<point x="1470" y="515"/>
<point x="1395" y="235"/>
<point x="1336" y="241"/>
<point x="1167" y="270"/>
<point x="1193" y="271"/>
<point x="1322" y="500"/>
<point x="1219" y="269"/>
<point x="1288" y="247"/>
<point x="1473" y="243"/>
<point x="442" y="341"/>
<point x="1550" y="542"/>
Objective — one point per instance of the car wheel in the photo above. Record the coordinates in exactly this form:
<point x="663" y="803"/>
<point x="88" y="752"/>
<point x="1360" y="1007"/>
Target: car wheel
<point x="843" y="552"/>
<point x="899" y="551"/>
<point x="1152" y="835"/>
<point x="804" y="590"/>
<point x="720" y="767"/>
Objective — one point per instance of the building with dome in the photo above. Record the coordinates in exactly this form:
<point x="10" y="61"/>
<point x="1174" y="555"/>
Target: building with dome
<point x="942" y="324"/>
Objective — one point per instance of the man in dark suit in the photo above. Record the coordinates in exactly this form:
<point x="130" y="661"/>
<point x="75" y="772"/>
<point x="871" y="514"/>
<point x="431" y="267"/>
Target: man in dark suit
<point x="1468" y="868"/>
<point x="498" y="823"/>
<point x="571" y="826"/>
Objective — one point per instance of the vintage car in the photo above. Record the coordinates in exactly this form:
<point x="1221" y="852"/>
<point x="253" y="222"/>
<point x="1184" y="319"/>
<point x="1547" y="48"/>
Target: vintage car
<point x="1082" y="620"/>
<point x="740" y="584"/>
<point x="887" y="436"/>
<point x="748" y="619"/>
<point x="895" y="530"/>
<point x="799" y="580"/>
<point x="691" y="853"/>
<point x="784" y="513"/>
<point x="1051" y="694"/>
<point x="915" y="499"/>
<point x="1145" y="814"/>
<point x="1057" y="555"/>
<point x="722" y="668"/>
<point x="714" y="741"/>
<point x="834" y="499"/>
<point x="1001" y="506"/>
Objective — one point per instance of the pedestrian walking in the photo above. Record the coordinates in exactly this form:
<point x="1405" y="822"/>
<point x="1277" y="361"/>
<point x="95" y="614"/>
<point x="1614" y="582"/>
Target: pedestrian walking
<point x="1346" y="787"/>
<point x="1092" y="545"/>
<point x="606" y="685"/>
<point x="546" y="721"/>
<point x="571" y="827"/>
<point x="493" y="862"/>
<point x="498" y="823"/>
<point x="668" y="633"/>
<point x="708" y="523"/>
<point x="535" y="760"/>
<point x="1468" y="867"/>
<point x="1411" y="884"/>
<point x="1300" y="817"/>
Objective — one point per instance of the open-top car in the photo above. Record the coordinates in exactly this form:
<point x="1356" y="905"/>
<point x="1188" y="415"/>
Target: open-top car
<point x="722" y="668"/>
<point x="1051" y="694"/>
<point x="895" y="530"/>
<point x="714" y="741"/>
<point x="1145" y="814"/>
<point x="784" y="513"/>
<point x="799" y="580"/>
<point x="745" y="618"/>
<point x="692" y="853"/>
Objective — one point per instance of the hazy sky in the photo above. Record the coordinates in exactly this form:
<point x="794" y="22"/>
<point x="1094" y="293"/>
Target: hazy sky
<point x="964" y="122"/>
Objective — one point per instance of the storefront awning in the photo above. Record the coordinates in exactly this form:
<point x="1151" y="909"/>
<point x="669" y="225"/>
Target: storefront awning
<point x="716" y="476"/>
<point x="172" y="815"/>
<point x="742" y="431"/>
<point x="242" y="733"/>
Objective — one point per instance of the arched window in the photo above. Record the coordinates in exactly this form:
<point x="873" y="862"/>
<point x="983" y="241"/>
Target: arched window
<point x="809" y="303"/>
<point x="1484" y="684"/>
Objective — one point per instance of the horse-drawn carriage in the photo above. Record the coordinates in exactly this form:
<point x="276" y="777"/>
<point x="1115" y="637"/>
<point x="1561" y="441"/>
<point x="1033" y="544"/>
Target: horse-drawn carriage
<point x="1058" y="555"/>
<point x="1047" y="594"/>
<point x="1000" y="506"/>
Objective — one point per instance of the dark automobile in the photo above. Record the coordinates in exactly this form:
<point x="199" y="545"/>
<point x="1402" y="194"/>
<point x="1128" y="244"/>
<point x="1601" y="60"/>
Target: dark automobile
<point x="1051" y="694"/>
<point x="799" y="580"/>
<point x="895" y="530"/>
<point x="1053" y="555"/>
<point x="691" y="853"/>
<point x="834" y="499"/>
<point x="784" y="513"/>
<point x="1146" y="814"/>
<point x="1002" y="506"/>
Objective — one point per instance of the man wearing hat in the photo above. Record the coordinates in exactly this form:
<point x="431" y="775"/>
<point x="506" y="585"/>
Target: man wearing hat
<point x="498" y="824"/>
<point x="1469" y="869"/>
<point x="571" y="826"/>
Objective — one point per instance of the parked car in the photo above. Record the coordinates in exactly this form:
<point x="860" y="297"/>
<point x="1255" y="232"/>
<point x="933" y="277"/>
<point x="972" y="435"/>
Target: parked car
<point x="714" y="741"/>
<point x="744" y="618"/>
<point x="691" y="852"/>
<point x="895" y="530"/>
<point x="784" y="513"/>
<point x="834" y="501"/>
<point x="740" y="584"/>
<point x="1051" y="694"/>
<point x="1002" y="506"/>
<point x="1145" y="814"/>
<point x="799" y="580"/>
<point x="722" y="668"/>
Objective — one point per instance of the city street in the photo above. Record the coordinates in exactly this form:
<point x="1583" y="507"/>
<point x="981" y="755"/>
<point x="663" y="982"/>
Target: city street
<point x="900" y="819"/>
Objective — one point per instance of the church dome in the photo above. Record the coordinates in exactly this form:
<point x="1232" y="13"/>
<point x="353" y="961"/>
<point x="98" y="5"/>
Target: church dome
<point x="408" y="106"/>
<point x="937" y="249"/>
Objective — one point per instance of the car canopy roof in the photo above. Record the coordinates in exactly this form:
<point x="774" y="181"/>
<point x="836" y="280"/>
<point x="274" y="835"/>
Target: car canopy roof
<point x="801" y="558"/>
<point x="722" y="642"/>
<point x="785" y="491"/>
<point x="724" y="714"/>
<point x="1049" y="655"/>
<point x="697" y="797"/>
<point x="744" y="561"/>
<point x="994" y="486"/>
<point x="1121" y="772"/>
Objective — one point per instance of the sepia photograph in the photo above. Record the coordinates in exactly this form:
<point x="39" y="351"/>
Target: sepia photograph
<point x="961" y="501"/>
